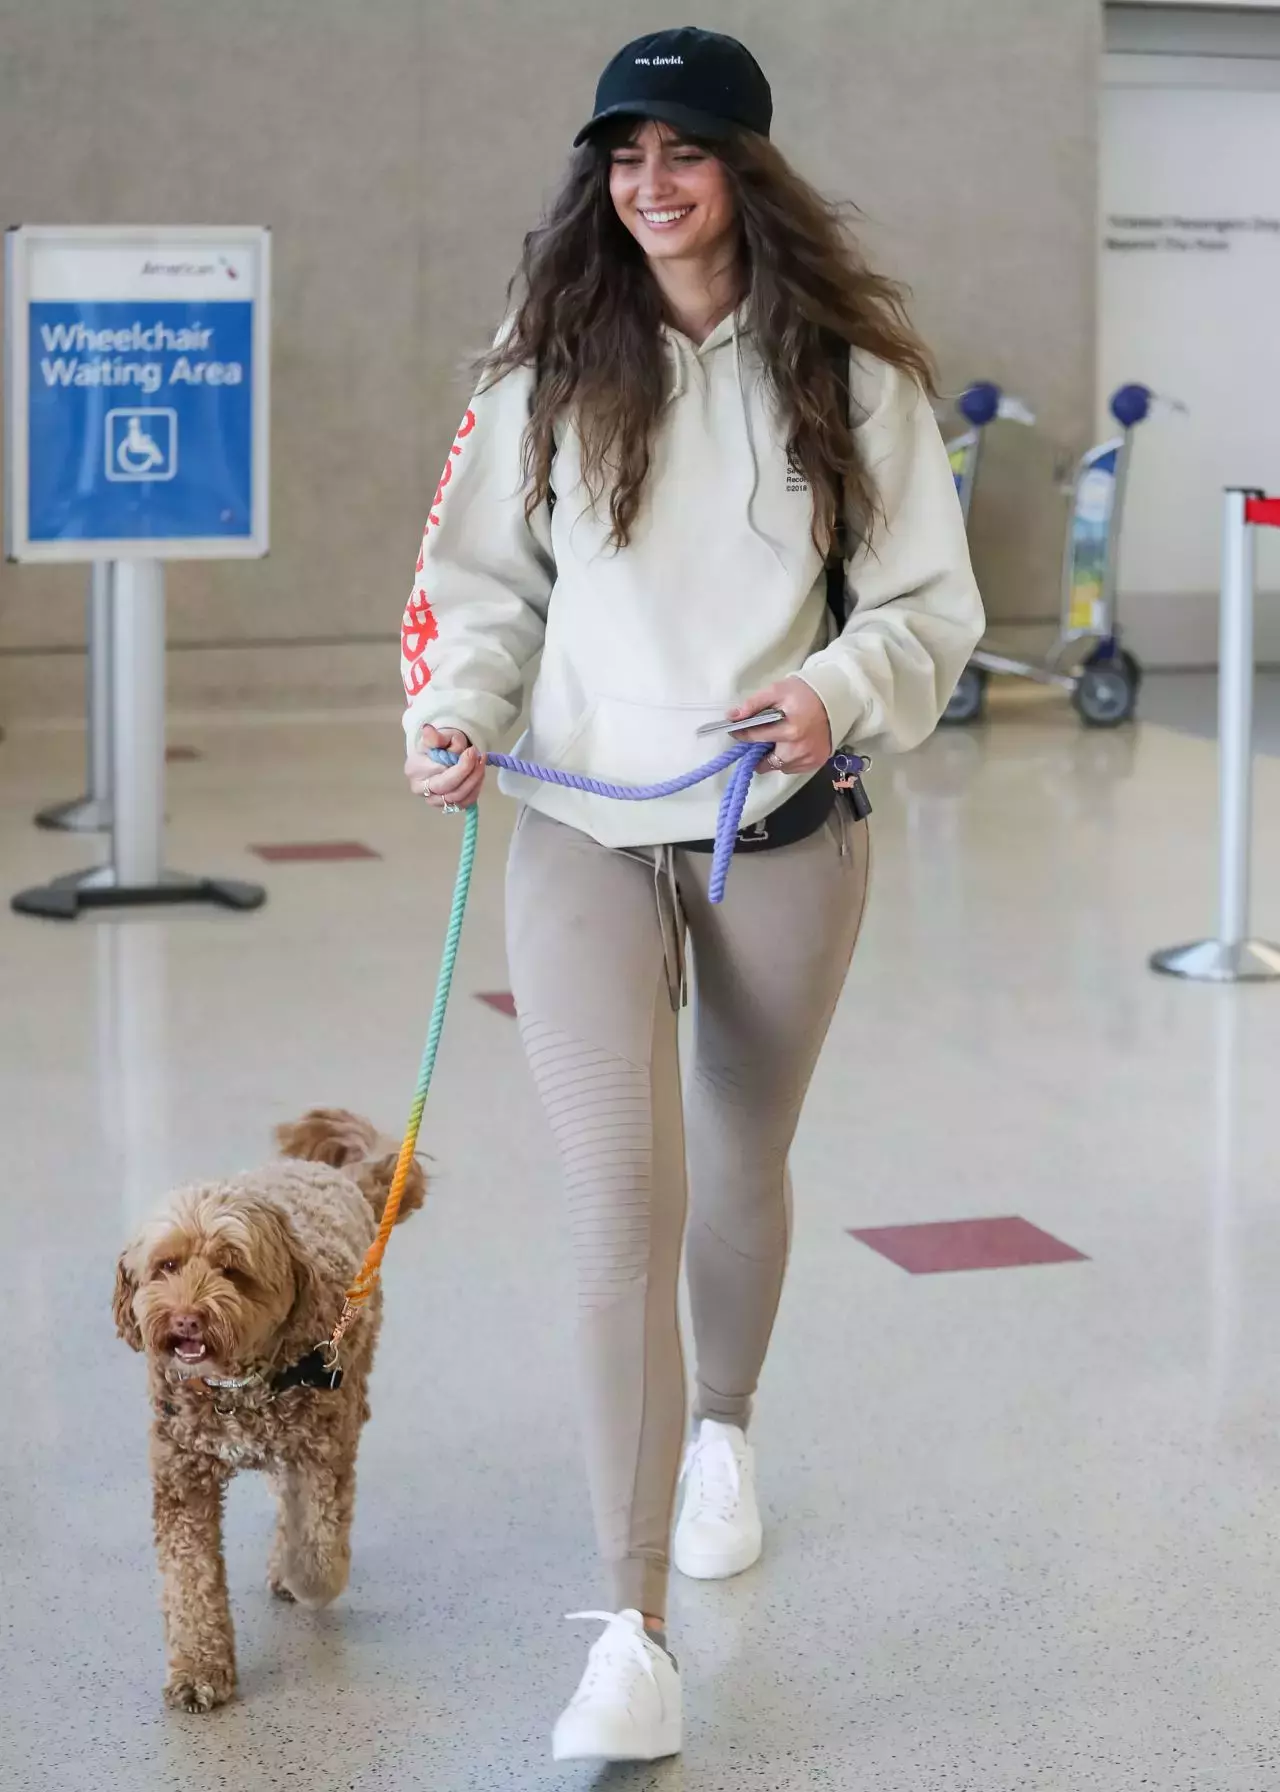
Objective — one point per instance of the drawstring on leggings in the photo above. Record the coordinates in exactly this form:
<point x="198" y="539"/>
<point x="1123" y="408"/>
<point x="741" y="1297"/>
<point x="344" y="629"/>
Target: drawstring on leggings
<point x="671" y="917"/>
<point x="671" y="920"/>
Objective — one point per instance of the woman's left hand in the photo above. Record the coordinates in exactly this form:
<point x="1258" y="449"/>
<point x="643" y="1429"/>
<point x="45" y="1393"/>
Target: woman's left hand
<point x="802" y="740"/>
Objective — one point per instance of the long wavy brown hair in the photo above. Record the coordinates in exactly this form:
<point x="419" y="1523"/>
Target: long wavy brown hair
<point x="588" y="319"/>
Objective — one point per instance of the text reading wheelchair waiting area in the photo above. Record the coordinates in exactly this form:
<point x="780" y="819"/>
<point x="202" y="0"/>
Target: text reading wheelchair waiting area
<point x="77" y="354"/>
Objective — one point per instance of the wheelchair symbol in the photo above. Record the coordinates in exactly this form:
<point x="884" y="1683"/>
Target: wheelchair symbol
<point x="142" y="444"/>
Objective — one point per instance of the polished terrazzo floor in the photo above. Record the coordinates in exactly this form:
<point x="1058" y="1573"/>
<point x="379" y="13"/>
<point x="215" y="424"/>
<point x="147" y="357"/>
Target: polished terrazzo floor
<point x="1024" y="1524"/>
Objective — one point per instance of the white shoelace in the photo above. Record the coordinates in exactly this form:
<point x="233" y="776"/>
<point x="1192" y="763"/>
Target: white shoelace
<point x="714" y="1475"/>
<point x="621" y="1645"/>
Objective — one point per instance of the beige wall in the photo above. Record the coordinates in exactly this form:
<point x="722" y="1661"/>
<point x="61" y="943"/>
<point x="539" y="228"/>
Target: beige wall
<point x="400" y="147"/>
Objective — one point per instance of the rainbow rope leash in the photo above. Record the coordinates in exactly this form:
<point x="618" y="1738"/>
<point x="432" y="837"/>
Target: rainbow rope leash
<point x="743" y="758"/>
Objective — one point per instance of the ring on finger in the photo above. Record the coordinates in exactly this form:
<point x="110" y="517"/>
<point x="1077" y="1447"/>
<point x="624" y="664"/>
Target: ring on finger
<point x="451" y="809"/>
<point x="775" y="763"/>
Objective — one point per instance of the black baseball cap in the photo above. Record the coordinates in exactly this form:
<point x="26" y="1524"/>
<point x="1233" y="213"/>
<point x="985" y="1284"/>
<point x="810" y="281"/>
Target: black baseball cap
<point x="697" y="81"/>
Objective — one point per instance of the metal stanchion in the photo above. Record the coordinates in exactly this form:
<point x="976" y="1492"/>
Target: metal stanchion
<point x="135" y="872"/>
<point x="1233" y="957"/>
<point x="91" y="813"/>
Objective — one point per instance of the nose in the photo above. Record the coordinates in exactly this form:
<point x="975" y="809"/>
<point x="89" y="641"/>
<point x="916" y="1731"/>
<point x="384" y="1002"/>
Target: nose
<point x="655" y="179"/>
<point x="185" y="1327"/>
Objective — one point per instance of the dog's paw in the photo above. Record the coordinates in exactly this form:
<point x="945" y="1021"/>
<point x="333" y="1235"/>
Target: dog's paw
<point x="198" y="1690"/>
<point x="310" y="1580"/>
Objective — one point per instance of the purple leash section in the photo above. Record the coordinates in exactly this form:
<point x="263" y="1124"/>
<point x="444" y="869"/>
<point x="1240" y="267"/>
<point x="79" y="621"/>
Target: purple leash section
<point x="744" y="757"/>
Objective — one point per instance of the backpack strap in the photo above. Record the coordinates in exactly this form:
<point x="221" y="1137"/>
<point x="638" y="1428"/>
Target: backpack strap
<point x="840" y="548"/>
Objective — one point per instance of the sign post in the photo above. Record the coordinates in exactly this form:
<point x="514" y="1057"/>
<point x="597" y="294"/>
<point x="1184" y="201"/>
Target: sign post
<point x="137" y="368"/>
<point x="91" y="813"/>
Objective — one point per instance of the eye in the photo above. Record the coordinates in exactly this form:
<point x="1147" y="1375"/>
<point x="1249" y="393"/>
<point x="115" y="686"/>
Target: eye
<point x="169" y="1267"/>
<point x="237" y="1277"/>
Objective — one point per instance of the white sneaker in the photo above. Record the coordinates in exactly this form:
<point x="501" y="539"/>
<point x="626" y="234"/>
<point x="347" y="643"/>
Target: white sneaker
<point x="627" y="1706"/>
<point x="718" y="1533"/>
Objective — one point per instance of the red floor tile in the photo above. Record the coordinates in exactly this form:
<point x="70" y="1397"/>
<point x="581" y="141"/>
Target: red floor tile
<point x="180" y="755"/>
<point x="500" y="999"/>
<point x="309" y="851"/>
<point x="933" y="1249"/>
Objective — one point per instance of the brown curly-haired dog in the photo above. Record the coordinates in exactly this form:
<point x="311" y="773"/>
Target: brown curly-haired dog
<point x="229" y="1288"/>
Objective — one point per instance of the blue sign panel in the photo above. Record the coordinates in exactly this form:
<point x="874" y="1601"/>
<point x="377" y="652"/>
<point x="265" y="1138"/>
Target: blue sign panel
<point x="137" y="367"/>
<point x="140" y="420"/>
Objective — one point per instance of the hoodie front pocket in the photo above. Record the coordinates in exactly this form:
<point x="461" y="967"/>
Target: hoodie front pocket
<point x="639" y="743"/>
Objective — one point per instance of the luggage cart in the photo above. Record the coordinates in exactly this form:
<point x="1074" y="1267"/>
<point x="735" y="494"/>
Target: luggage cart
<point x="979" y="404"/>
<point x="1087" y="659"/>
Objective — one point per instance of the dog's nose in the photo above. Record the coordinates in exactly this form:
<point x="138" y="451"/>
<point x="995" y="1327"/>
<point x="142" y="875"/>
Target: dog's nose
<point x="185" y="1327"/>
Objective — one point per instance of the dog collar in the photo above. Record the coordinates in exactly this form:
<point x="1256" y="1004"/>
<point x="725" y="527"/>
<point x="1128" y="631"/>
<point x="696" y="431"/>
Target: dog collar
<point x="310" y="1371"/>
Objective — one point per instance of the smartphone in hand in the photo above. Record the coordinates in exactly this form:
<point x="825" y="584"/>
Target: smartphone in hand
<point x="765" y="718"/>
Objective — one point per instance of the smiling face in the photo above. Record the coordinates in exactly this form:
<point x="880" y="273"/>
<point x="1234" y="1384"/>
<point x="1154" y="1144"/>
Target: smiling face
<point x="673" y="196"/>
<point x="209" y="1285"/>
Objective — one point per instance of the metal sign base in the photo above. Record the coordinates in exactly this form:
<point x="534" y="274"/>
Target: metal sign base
<point x="86" y="815"/>
<point x="1221" y="961"/>
<point x="135" y="875"/>
<point x="65" y="897"/>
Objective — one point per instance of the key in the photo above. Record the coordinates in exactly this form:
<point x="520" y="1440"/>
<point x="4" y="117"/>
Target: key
<point x="848" y="769"/>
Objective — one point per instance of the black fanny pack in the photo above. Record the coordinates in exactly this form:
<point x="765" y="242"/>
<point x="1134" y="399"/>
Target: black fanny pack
<point x="805" y="812"/>
<point x="799" y="817"/>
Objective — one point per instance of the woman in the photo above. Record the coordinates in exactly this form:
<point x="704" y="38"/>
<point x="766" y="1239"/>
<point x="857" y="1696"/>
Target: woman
<point x="644" y="491"/>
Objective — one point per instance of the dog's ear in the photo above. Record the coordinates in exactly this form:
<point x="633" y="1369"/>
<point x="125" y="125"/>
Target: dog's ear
<point x="122" y="1304"/>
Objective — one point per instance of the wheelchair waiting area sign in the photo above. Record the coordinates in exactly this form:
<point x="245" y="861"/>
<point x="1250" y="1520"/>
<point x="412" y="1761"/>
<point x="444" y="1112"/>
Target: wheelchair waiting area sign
<point x="136" y="374"/>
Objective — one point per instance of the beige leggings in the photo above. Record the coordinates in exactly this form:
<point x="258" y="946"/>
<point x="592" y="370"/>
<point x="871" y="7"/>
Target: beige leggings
<point x="595" y="942"/>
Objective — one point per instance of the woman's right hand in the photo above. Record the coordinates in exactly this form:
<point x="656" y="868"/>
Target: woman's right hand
<point x="457" y="785"/>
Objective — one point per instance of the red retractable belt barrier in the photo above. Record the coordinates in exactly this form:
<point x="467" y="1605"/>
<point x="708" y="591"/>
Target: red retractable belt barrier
<point x="1263" y="510"/>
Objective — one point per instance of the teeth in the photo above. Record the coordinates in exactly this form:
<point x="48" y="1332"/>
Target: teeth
<point x="666" y="217"/>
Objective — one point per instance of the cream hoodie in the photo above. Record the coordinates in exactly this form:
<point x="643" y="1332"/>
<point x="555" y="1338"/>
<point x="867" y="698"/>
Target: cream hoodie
<point x="719" y="592"/>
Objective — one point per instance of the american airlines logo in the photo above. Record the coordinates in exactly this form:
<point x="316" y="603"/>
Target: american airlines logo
<point x="189" y="270"/>
<point x="172" y="269"/>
